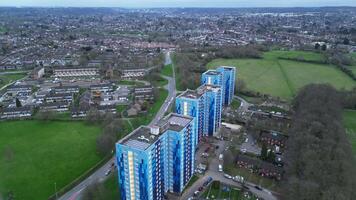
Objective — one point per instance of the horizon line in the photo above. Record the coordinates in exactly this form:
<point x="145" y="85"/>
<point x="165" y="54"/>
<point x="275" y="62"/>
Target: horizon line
<point x="180" y="7"/>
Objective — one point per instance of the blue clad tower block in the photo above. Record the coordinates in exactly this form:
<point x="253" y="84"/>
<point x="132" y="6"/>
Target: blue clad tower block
<point x="155" y="160"/>
<point x="213" y="108"/>
<point x="228" y="85"/>
<point x="192" y="103"/>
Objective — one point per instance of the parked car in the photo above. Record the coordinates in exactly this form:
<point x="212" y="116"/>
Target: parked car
<point x="107" y="172"/>
<point x="258" y="187"/>
<point x="220" y="168"/>
<point x="221" y="156"/>
<point x="196" y="193"/>
<point x="227" y="176"/>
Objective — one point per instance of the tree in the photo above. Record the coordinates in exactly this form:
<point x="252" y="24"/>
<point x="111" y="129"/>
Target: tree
<point x="240" y="86"/>
<point x="96" y="191"/>
<point x="105" y="143"/>
<point x="317" y="46"/>
<point x="323" y="47"/>
<point x="346" y="41"/>
<point x="45" y="115"/>
<point x="271" y="156"/>
<point x="319" y="159"/>
<point x="264" y="151"/>
<point x="18" y="103"/>
<point x="93" y="116"/>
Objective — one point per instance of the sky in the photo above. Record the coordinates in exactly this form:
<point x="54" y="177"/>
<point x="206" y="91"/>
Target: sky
<point x="178" y="3"/>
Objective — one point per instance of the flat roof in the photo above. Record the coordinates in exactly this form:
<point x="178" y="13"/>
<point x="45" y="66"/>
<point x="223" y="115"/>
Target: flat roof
<point x="191" y="94"/>
<point x="227" y="67"/>
<point x="212" y="72"/>
<point x="143" y="137"/>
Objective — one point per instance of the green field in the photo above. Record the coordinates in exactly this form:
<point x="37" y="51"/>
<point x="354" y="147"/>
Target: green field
<point x="35" y="155"/>
<point x="2" y="29"/>
<point x="350" y="127"/>
<point x="296" y="55"/>
<point x="167" y="70"/>
<point x="282" y="78"/>
<point x="8" y="78"/>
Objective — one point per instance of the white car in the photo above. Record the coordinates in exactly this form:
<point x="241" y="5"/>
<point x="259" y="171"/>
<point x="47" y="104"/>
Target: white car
<point x="107" y="172"/>
<point x="220" y="168"/>
<point x="228" y="176"/>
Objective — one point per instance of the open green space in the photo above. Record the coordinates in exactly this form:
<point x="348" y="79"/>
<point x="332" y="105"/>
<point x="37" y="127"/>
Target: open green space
<point x="160" y="82"/>
<point x="235" y="104"/>
<point x="216" y="190"/>
<point x="350" y="127"/>
<point x="306" y="56"/>
<point x="2" y="29"/>
<point x="130" y="82"/>
<point x="8" y="78"/>
<point x="37" y="155"/>
<point x="167" y="70"/>
<point x="283" y="78"/>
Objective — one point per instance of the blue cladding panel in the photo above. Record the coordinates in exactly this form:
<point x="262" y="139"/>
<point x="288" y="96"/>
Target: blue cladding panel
<point x="176" y="168"/>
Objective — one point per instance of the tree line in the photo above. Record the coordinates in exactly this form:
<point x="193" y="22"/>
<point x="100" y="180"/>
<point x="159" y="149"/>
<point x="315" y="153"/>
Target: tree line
<point x="319" y="159"/>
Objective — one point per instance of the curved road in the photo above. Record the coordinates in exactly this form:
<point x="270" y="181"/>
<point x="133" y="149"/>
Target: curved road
<point x="99" y="175"/>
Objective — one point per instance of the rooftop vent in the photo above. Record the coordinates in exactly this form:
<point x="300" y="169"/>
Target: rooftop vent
<point x="154" y="130"/>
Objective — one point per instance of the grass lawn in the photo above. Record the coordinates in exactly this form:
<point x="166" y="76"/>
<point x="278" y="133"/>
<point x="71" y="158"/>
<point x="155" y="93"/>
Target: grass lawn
<point x="160" y="82"/>
<point x="219" y="191"/>
<point x="153" y="109"/>
<point x="235" y="104"/>
<point x="192" y="181"/>
<point x="167" y="70"/>
<point x="283" y="78"/>
<point x="2" y="29"/>
<point x="112" y="187"/>
<point x="350" y="127"/>
<point x="130" y="82"/>
<point x="7" y="78"/>
<point x="35" y="155"/>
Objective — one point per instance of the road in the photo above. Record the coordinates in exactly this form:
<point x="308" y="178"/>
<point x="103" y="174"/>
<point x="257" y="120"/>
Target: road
<point x="171" y="87"/>
<point x="213" y="172"/>
<point x="99" y="175"/>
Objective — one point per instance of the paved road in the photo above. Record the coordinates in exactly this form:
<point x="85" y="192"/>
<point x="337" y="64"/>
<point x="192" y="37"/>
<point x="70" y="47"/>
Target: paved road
<point x="99" y="175"/>
<point x="219" y="176"/>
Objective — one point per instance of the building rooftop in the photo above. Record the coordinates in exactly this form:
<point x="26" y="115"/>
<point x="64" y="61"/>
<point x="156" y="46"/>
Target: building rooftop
<point x="191" y="94"/>
<point x="145" y="136"/>
<point x="227" y="67"/>
<point x="212" y="72"/>
<point x="208" y="87"/>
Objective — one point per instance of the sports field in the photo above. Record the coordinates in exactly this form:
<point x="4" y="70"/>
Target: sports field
<point x="282" y="78"/>
<point x="37" y="155"/>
